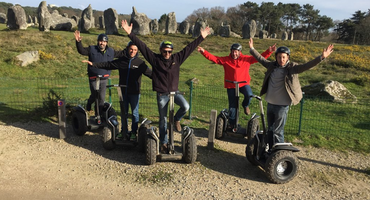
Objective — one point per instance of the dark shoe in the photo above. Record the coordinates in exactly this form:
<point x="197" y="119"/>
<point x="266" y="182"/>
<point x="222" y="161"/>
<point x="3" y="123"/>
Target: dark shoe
<point x="247" y="111"/>
<point x="164" y="148"/>
<point x="178" y="126"/>
<point x="133" y="136"/>
<point x="119" y="136"/>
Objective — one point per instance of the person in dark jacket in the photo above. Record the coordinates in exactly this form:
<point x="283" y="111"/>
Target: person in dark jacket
<point x="281" y="86"/>
<point x="130" y="68"/>
<point x="165" y="78"/>
<point x="97" y="53"/>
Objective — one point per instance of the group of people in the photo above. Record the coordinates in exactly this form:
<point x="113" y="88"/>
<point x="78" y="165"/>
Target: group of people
<point x="281" y="84"/>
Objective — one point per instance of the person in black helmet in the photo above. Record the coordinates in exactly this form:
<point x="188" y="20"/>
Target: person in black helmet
<point x="236" y="68"/>
<point x="282" y="88"/>
<point x="130" y="68"/>
<point x="97" y="53"/>
<point x="165" y="77"/>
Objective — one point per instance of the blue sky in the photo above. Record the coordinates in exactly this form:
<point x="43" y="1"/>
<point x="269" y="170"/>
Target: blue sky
<point x="336" y="9"/>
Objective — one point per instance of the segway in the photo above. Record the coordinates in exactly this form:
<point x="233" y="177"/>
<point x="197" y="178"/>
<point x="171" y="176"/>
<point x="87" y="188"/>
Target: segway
<point x="104" y="121"/>
<point x="236" y="130"/>
<point x="110" y="139"/>
<point x="278" y="160"/>
<point x="188" y="150"/>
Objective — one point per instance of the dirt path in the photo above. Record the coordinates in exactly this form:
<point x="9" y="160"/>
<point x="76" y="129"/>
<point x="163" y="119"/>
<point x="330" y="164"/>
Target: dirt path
<point x="35" y="164"/>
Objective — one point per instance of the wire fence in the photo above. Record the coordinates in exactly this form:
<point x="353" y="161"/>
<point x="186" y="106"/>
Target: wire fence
<point x="311" y="116"/>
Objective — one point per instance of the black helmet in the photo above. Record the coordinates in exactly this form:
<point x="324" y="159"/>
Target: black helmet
<point x="166" y="44"/>
<point x="236" y="46"/>
<point x="102" y="37"/>
<point x="282" y="50"/>
<point x="130" y="44"/>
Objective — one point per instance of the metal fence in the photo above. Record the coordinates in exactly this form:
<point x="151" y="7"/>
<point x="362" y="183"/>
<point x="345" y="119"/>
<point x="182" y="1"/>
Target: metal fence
<point x="312" y="115"/>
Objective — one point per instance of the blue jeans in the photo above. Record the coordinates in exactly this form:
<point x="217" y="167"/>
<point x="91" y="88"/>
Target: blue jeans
<point x="133" y="101"/>
<point x="247" y="92"/>
<point x="162" y="102"/>
<point x="276" y="119"/>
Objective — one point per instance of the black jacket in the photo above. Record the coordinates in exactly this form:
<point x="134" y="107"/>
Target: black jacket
<point x="130" y="71"/>
<point x="165" y="72"/>
<point x="95" y="55"/>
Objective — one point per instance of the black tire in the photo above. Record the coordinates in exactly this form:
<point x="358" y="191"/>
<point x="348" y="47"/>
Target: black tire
<point x="219" y="128"/>
<point x="190" y="155"/>
<point x="252" y="128"/>
<point x="251" y="150"/>
<point x="108" y="142"/>
<point x="150" y="150"/>
<point x="281" y="166"/>
<point x="141" y="139"/>
<point x="79" y="123"/>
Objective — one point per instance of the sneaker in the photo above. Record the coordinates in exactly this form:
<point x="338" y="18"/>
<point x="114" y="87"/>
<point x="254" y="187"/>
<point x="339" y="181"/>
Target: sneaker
<point x="178" y="126"/>
<point x="247" y="111"/>
<point x="164" y="148"/>
<point x="119" y="136"/>
<point x="133" y="136"/>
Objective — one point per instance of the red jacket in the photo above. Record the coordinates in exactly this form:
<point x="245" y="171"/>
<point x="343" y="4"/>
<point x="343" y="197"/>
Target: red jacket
<point x="235" y="70"/>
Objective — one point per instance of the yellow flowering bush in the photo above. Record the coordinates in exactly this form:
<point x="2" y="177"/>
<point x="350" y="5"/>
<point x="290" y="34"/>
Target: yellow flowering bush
<point x="46" y="56"/>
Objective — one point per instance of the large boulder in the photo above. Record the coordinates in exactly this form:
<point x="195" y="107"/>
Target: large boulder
<point x="140" y="23"/>
<point x="16" y="18"/>
<point x="3" y="18"/>
<point x="171" y="24"/>
<point x="332" y="90"/>
<point x="290" y="35"/>
<point x="184" y="27"/>
<point x="199" y="24"/>
<point x="101" y="22"/>
<point x="249" y="29"/>
<point x="87" y="20"/>
<point x="53" y="21"/>
<point x="284" y="35"/>
<point x="27" y="58"/>
<point x="224" y="30"/>
<point x="111" y="21"/>
<point x="263" y="34"/>
<point x="153" y="26"/>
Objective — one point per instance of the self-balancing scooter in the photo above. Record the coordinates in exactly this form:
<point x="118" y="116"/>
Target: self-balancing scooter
<point x="188" y="150"/>
<point x="278" y="160"/>
<point x="236" y="130"/>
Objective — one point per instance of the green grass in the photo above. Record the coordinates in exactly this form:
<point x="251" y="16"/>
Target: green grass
<point x="348" y="125"/>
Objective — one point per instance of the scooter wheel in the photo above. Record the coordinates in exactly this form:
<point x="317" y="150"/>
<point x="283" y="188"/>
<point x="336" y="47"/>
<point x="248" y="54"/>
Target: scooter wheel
<point x="281" y="166"/>
<point x="220" y="128"/>
<point x="251" y="151"/>
<point x="79" y="123"/>
<point x="150" y="150"/>
<point x="190" y="155"/>
<point x="141" y="138"/>
<point x="108" y="143"/>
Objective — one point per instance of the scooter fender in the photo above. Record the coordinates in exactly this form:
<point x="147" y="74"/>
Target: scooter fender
<point x="186" y="133"/>
<point x="152" y="132"/>
<point x="79" y="108"/>
<point x="113" y="124"/>
<point x="224" y="114"/>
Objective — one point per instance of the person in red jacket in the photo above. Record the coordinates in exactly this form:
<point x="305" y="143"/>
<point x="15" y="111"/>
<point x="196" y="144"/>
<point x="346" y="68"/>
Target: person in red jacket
<point x="236" y="68"/>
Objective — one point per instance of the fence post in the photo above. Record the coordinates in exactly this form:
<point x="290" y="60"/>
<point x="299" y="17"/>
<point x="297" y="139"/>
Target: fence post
<point x="300" y="115"/>
<point x="212" y="129"/>
<point x="191" y="98"/>
<point x="109" y="90"/>
<point x="62" y="118"/>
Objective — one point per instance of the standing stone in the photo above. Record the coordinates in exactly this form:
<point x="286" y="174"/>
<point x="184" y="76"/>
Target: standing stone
<point x="87" y="20"/>
<point x="29" y="19"/>
<point x="171" y="24"/>
<point x="249" y="29"/>
<point x="101" y="22"/>
<point x="199" y="24"/>
<point x="184" y="27"/>
<point x="111" y="21"/>
<point x="284" y="36"/>
<point x="224" y="30"/>
<point x="153" y="26"/>
<point x="3" y="18"/>
<point x="263" y="34"/>
<point x="75" y="18"/>
<point x="273" y="36"/>
<point x="191" y="29"/>
<point x="140" y="23"/>
<point x="43" y="17"/>
<point x="16" y="18"/>
<point x="290" y="35"/>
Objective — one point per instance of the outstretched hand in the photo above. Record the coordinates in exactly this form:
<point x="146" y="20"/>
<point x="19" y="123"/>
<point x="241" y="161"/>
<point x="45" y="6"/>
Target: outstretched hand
<point x="204" y="32"/>
<point x="88" y="62"/>
<point x="77" y="36"/>
<point x="200" y="49"/>
<point x="327" y="51"/>
<point x="126" y="27"/>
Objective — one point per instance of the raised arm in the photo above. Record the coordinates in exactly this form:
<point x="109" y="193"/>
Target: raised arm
<point x="126" y="27"/>
<point x="327" y="51"/>
<point x="205" y="32"/>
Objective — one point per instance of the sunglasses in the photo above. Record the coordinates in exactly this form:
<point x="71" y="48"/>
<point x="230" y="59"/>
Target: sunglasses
<point x="164" y="51"/>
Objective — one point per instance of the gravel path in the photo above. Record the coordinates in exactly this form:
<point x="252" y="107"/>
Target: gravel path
<point x="35" y="164"/>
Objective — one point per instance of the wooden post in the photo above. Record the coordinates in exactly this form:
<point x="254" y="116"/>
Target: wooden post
<point x="212" y="129"/>
<point x="62" y="118"/>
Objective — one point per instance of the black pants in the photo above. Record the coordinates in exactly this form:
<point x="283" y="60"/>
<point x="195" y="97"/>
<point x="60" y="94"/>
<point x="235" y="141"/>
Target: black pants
<point x="100" y="95"/>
